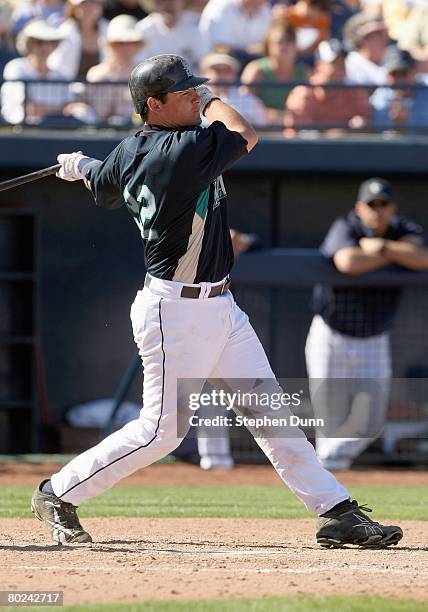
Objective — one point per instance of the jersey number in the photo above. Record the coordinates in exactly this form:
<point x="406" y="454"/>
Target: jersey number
<point x="142" y="209"/>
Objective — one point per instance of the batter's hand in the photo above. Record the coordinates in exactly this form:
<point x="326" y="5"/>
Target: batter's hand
<point x="72" y="166"/>
<point x="205" y="96"/>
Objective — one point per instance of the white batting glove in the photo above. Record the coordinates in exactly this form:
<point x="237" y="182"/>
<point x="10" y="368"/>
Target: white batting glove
<point x="205" y="97"/>
<point x="73" y="166"/>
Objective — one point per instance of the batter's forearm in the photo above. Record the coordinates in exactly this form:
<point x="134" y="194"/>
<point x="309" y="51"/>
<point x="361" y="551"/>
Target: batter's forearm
<point x="217" y="110"/>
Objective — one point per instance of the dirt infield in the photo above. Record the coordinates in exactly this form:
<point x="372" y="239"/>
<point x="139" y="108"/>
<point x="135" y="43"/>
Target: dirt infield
<point x="140" y="559"/>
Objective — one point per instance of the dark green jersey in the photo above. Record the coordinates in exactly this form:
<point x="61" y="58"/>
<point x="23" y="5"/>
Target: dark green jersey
<point x="170" y="181"/>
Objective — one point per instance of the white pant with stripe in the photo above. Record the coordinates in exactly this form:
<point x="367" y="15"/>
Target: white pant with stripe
<point x="346" y="407"/>
<point x="199" y="339"/>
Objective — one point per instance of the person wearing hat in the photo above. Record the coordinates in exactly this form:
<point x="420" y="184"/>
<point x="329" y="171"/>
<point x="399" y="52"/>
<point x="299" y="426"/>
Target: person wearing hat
<point x="324" y="107"/>
<point x="349" y="338"/>
<point x="366" y="40"/>
<point x="185" y="321"/>
<point x="83" y="33"/>
<point x="405" y="107"/>
<point x="123" y="42"/>
<point x="223" y="69"/>
<point x="35" y="43"/>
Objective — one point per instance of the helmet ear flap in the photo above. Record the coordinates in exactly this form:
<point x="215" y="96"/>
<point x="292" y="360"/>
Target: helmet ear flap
<point x="140" y="106"/>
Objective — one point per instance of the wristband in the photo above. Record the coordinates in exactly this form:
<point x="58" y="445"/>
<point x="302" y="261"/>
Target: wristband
<point x="205" y="96"/>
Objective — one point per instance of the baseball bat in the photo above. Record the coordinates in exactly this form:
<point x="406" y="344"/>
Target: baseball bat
<point x="28" y="178"/>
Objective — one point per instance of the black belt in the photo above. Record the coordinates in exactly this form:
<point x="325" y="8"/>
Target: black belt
<point x="194" y="292"/>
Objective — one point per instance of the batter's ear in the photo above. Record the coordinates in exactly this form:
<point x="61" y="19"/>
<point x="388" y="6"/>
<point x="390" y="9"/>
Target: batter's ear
<point x="154" y="105"/>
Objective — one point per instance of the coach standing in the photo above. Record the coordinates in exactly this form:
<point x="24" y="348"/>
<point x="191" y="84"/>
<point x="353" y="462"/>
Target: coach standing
<point x="349" y="335"/>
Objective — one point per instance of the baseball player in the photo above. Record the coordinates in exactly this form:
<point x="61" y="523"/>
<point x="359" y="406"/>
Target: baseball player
<point x="185" y="321"/>
<point x="349" y="335"/>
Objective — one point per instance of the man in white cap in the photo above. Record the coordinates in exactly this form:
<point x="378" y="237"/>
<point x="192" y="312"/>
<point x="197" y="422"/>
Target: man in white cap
<point x="124" y="41"/>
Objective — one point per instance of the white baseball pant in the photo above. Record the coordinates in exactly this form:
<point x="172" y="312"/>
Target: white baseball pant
<point x="199" y="339"/>
<point x="356" y="415"/>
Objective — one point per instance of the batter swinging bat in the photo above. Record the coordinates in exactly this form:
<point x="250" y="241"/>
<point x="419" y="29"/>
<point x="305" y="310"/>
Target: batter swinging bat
<point x="28" y="178"/>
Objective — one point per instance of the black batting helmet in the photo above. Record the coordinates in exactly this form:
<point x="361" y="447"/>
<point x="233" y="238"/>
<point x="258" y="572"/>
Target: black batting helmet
<point x="160" y="74"/>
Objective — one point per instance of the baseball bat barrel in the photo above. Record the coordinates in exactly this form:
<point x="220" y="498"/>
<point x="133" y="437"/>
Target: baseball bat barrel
<point x="28" y="178"/>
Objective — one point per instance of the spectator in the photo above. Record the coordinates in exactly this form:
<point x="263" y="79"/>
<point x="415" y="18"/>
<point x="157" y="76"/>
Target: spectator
<point x="413" y="34"/>
<point x="313" y="106"/>
<point x="366" y="39"/>
<point x="171" y="29"/>
<point x="51" y="11"/>
<point x="113" y="8"/>
<point x="123" y="44"/>
<point x="400" y="107"/>
<point x="312" y="21"/>
<point x="240" y="25"/>
<point x="277" y="66"/>
<point x="83" y="32"/>
<point x="223" y="68"/>
<point x="35" y="42"/>
<point x="349" y="335"/>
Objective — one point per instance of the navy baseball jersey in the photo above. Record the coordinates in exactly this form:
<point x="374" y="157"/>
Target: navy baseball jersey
<point x="171" y="183"/>
<point x="367" y="311"/>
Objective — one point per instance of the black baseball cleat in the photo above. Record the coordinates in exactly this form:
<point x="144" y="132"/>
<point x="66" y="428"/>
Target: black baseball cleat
<point x="59" y="516"/>
<point x="347" y="524"/>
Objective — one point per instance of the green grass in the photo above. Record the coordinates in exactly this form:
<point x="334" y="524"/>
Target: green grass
<point x="406" y="502"/>
<point x="298" y="603"/>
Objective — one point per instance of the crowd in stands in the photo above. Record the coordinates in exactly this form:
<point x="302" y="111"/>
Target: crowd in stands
<point x="279" y="62"/>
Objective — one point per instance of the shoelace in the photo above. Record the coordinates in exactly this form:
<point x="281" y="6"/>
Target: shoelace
<point x="364" y="508"/>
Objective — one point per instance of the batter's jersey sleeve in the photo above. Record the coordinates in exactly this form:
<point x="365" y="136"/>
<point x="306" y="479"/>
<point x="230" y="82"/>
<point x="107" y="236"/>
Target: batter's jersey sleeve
<point x="104" y="180"/>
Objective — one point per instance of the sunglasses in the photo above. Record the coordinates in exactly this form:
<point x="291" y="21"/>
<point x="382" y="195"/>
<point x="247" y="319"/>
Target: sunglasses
<point x="378" y="204"/>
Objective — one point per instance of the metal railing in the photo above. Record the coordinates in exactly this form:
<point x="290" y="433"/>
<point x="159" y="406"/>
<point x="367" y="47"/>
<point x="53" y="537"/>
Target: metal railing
<point x="79" y="104"/>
